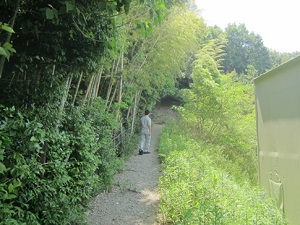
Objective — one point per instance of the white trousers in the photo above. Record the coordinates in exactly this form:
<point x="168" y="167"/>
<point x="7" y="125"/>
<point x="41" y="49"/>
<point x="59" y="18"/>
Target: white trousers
<point x="145" y="142"/>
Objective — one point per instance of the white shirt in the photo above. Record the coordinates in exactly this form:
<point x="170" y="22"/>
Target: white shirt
<point x="146" y="124"/>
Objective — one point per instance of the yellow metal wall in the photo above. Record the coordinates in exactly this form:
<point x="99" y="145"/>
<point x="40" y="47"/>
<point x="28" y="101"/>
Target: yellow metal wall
<point x="277" y="97"/>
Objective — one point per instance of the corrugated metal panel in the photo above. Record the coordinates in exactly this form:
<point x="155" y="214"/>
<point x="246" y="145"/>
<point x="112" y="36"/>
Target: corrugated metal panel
<point x="277" y="98"/>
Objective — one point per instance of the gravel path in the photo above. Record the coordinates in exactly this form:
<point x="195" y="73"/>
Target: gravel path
<point x="134" y="197"/>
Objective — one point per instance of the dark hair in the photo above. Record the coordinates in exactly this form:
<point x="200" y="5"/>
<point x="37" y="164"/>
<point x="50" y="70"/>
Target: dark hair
<point x="147" y="112"/>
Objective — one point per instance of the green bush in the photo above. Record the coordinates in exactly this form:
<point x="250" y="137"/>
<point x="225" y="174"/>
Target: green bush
<point x="48" y="173"/>
<point x="21" y="150"/>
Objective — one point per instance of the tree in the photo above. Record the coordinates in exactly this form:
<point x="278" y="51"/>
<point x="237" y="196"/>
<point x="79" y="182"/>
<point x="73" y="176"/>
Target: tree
<point x="278" y="58"/>
<point x="258" y="54"/>
<point x="244" y="49"/>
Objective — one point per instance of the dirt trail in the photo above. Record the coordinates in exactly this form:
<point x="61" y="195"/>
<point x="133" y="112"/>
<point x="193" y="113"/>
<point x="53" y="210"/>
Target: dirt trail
<point x="134" y="197"/>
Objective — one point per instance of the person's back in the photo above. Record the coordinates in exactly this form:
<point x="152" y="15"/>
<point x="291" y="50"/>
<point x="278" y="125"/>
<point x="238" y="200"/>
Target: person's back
<point x="145" y="133"/>
<point x="146" y="123"/>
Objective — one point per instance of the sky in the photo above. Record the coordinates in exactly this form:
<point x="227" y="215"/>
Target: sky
<point x="276" y="21"/>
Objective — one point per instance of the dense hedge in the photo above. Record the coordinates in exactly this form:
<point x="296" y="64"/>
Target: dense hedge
<point x="48" y="174"/>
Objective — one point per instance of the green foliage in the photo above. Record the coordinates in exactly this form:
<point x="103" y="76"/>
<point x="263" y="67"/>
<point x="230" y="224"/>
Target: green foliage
<point x="163" y="58"/>
<point x="209" y="158"/>
<point x="21" y="149"/>
<point x="6" y="49"/>
<point x="224" y="114"/>
<point x="250" y="74"/>
<point x="278" y="58"/>
<point x="200" y="185"/>
<point x="214" y="49"/>
<point x="63" y="47"/>
<point x="244" y="52"/>
<point x="55" y="155"/>
<point x="48" y="174"/>
<point x="244" y="49"/>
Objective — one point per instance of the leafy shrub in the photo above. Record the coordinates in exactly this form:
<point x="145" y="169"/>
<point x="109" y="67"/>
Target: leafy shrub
<point x="49" y="173"/>
<point x="21" y="150"/>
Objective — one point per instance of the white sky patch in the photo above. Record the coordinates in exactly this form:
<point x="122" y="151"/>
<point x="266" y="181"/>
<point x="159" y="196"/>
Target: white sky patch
<point x="276" y="21"/>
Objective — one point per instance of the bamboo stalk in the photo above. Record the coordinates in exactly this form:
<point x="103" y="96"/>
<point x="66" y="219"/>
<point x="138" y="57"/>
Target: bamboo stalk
<point x="77" y="88"/>
<point x="64" y="97"/>
<point x="117" y="65"/>
<point x="53" y="72"/>
<point x="134" y="111"/>
<point x="121" y="81"/>
<point x="128" y="113"/>
<point x="112" y="97"/>
<point x="110" y="83"/>
<point x="70" y="81"/>
<point x="108" y="92"/>
<point x="89" y="88"/>
<point x="99" y="81"/>
<point x="93" y="89"/>
<point x="118" y="113"/>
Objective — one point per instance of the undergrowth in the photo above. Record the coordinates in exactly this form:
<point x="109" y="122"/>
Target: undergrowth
<point x="201" y="185"/>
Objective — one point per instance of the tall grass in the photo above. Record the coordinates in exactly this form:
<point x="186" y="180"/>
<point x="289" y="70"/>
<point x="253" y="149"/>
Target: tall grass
<point x="202" y="185"/>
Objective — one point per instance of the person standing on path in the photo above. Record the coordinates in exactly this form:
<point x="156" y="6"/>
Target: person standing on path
<point x="145" y="134"/>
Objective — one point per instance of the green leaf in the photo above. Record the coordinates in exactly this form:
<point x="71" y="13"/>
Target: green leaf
<point x="12" y="187"/>
<point x="81" y="19"/>
<point x="2" y="168"/>
<point x="9" y="47"/>
<point x="9" y="196"/>
<point x="33" y="138"/>
<point x="55" y="12"/>
<point x="49" y="14"/>
<point x="3" y="52"/>
<point x="69" y="6"/>
<point x="7" y="28"/>
<point x="162" y="6"/>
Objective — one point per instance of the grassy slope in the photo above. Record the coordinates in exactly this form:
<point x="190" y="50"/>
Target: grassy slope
<point x="201" y="185"/>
